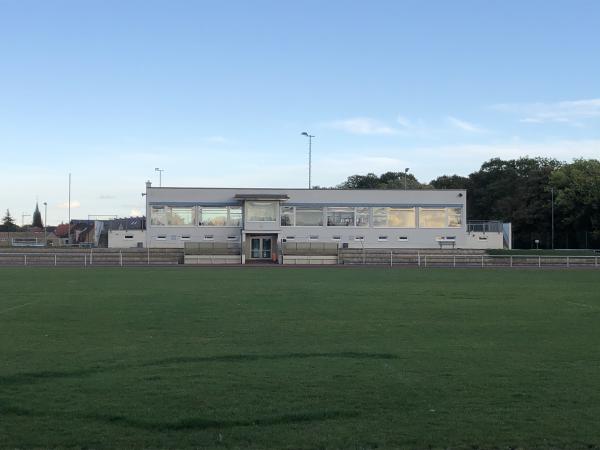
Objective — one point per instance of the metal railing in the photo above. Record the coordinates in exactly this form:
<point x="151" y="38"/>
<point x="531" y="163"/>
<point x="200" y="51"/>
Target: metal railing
<point x="484" y="226"/>
<point x="84" y="259"/>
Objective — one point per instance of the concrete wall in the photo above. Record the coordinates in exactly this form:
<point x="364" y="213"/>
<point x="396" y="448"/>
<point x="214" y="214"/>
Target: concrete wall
<point x="167" y="236"/>
<point x="126" y="238"/>
<point x="488" y="240"/>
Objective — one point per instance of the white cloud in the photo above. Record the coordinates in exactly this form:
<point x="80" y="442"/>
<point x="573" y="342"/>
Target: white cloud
<point x="216" y="140"/>
<point x="362" y="125"/>
<point x="464" y="125"/>
<point x="135" y="213"/>
<point x="571" y="112"/>
<point x="65" y="205"/>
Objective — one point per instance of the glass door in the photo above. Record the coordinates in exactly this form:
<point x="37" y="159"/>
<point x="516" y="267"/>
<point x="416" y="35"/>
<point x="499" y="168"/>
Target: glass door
<point x="255" y="248"/>
<point x="260" y="247"/>
<point x="266" y="248"/>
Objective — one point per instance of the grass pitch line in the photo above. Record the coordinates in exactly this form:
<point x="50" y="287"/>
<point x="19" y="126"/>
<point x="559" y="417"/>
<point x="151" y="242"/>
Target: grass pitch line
<point x="18" y="306"/>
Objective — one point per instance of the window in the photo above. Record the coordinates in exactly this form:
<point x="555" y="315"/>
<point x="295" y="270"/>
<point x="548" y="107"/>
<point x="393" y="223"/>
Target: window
<point x="382" y="238"/>
<point x="158" y="215"/>
<point x="220" y="216"/>
<point x="402" y="238"/>
<point x="340" y="217"/>
<point x="394" y="217"/>
<point x="185" y="237"/>
<point x="314" y="237"/>
<point x="261" y="211"/>
<point x="432" y="218"/>
<point x="309" y="217"/>
<point x="440" y="217"/>
<point x="235" y="216"/>
<point x="128" y="236"/>
<point x="454" y="217"/>
<point x="336" y="238"/>
<point x="483" y="238"/>
<point x="287" y="216"/>
<point x="359" y="238"/>
<point x="180" y="216"/>
<point x="290" y="238"/>
<point x="362" y="217"/>
<point x="208" y="237"/>
<point x="213" y="217"/>
<point x="161" y="237"/>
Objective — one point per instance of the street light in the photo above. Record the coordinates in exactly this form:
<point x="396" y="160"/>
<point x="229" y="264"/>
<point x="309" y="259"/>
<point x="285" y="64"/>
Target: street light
<point x="23" y="218"/>
<point x="406" y="177"/>
<point x="45" y="223"/>
<point x="160" y="171"/>
<point x="309" y="136"/>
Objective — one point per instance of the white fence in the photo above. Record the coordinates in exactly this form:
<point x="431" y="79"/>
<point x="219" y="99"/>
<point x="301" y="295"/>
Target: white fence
<point x="89" y="258"/>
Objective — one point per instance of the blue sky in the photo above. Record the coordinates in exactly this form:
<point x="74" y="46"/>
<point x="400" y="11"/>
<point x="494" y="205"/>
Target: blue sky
<point x="217" y="93"/>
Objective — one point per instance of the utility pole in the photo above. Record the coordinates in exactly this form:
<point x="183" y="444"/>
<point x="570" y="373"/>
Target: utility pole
<point x="160" y="171"/>
<point x="406" y="177"/>
<point x="69" y="235"/>
<point x="45" y="223"/>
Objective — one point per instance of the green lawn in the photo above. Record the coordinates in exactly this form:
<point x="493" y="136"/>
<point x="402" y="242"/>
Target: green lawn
<point x="299" y="358"/>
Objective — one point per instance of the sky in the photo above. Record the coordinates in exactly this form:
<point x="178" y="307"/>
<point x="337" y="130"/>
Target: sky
<point x="216" y="93"/>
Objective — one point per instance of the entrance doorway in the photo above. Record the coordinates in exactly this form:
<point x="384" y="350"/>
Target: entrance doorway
<point x="261" y="247"/>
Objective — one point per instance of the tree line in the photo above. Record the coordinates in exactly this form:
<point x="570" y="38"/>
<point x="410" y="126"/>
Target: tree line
<point x="520" y="191"/>
<point x="9" y="225"/>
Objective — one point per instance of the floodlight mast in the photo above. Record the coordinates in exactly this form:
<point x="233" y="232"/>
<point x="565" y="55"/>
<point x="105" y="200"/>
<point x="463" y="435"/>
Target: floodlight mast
<point x="309" y="136"/>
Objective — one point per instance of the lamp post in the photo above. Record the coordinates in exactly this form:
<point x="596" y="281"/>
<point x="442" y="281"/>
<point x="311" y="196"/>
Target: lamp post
<point x="160" y="171"/>
<point x="23" y="215"/>
<point x="406" y="177"/>
<point x="45" y="223"/>
<point x="309" y="136"/>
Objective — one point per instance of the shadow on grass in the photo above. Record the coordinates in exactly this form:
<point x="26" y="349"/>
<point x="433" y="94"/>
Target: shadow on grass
<point x="33" y="377"/>
<point x="190" y="423"/>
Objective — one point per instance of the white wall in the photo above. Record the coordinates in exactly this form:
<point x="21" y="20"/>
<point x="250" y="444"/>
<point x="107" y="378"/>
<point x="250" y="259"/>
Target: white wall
<point x="480" y="240"/>
<point x="126" y="238"/>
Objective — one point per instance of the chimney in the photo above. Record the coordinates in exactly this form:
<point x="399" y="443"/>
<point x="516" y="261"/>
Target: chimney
<point x="148" y="184"/>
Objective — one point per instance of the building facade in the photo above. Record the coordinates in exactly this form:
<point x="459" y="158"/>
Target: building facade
<point x="260" y="220"/>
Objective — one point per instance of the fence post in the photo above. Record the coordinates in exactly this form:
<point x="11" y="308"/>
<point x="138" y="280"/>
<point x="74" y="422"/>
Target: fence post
<point x="596" y="261"/>
<point x="454" y="261"/>
<point x="482" y="261"/>
<point x="391" y="259"/>
<point x="419" y="259"/>
<point x="91" y="256"/>
<point x="148" y="255"/>
<point x="568" y="262"/>
<point x="539" y="261"/>
<point x="121" y="257"/>
<point x="511" y="261"/>
<point x="425" y="260"/>
<point x="25" y="260"/>
<point x="84" y="260"/>
<point x="55" y="262"/>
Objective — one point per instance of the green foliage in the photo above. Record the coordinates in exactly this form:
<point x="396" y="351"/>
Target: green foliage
<point x="37" y="218"/>
<point x="8" y="223"/>
<point x="578" y="194"/>
<point x="388" y="180"/>
<point x="295" y="358"/>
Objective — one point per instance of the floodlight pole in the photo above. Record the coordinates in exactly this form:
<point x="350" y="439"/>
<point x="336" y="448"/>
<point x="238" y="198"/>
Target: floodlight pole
<point x="406" y="177"/>
<point x="309" y="136"/>
<point x="552" y="195"/>
<point x="160" y="171"/>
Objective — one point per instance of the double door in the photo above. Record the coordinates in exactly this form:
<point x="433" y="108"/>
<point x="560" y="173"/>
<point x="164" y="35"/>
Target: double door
<point x="261" y="247"/>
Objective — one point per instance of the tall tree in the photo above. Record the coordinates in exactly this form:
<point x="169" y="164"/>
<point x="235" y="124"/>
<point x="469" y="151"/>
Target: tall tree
<point x="37" y="218"/>
<point x="8" y="223"/>
<point x="578" y="195"/>
<point x="451" y="182"/>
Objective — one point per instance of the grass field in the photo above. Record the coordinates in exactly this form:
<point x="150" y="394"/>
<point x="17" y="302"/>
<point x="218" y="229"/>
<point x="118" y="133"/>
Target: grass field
<point x="299" y="358"/>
